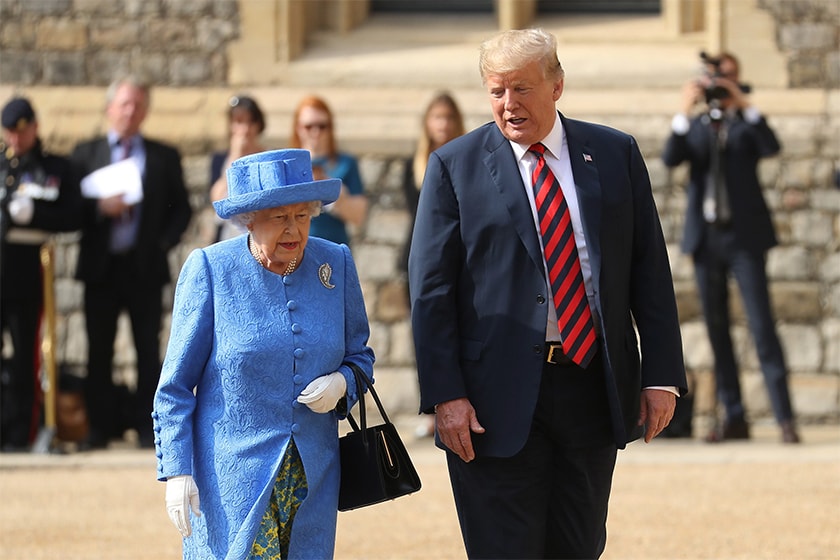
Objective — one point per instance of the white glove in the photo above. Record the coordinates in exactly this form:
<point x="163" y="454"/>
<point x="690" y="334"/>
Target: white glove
<point x="181" y="495"/>
<point x="21" y="209"/>
<point x="323" y="393"/>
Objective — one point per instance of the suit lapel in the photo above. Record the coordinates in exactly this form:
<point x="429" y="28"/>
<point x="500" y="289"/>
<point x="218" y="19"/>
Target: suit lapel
<point x="584" y="160"/>
<point x="102" y="155"/>
<point x="503" y="169"/>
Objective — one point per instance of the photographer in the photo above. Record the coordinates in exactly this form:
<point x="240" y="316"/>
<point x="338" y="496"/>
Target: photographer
<point x="728" y="230"/>
<point x="40" y="195"/>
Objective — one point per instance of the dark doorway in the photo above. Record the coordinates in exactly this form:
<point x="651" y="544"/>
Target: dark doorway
<point x="598" y="6"/>
<point x="420" y="6"/>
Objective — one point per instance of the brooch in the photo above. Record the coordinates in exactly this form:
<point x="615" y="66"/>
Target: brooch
<point x="324" y="274"/>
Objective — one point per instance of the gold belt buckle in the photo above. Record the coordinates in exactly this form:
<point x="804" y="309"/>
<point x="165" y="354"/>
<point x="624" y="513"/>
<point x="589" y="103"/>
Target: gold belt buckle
<point x="555" y="353"/>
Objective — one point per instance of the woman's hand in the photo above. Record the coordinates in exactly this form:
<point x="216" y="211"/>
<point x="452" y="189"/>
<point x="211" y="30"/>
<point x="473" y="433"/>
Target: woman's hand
<point x="323" y="393"/>
<point x="181" y="496"/>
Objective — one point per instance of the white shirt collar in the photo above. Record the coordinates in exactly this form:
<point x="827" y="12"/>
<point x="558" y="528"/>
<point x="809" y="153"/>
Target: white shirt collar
<point x="553" y="142"/>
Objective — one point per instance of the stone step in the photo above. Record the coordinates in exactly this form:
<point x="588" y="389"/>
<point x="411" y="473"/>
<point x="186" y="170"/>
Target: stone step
<point x="621" y="70"/>
<point x="434" y="51"/>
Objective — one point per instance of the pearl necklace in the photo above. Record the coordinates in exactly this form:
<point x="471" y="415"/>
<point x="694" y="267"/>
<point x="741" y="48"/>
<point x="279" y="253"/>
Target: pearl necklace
<point x="257" y="254"/>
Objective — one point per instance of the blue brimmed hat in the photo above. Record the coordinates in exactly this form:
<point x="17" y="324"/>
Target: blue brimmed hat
<point x="271" y="179"/>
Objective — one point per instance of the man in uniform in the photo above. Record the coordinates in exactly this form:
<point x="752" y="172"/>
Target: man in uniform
<point x="40" y="195"/>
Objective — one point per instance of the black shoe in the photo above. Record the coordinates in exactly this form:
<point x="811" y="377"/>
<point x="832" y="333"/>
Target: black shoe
<point x="731" y="430"/>
<point x="789" y="434"/>
<point x="14" y="448"/>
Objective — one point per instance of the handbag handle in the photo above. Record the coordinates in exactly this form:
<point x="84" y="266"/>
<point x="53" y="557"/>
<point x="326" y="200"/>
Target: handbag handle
<point x="362" y="381"/>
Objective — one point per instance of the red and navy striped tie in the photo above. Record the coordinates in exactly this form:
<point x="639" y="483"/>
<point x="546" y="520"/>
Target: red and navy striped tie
<point x="574" y="318"/>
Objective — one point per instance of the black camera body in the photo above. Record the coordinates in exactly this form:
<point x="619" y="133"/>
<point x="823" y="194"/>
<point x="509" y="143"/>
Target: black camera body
<point x="712" y="90"/>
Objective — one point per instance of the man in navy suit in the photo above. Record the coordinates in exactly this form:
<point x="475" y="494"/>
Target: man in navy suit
<point x="728" y="230"/>
<point x="123" y="260"/>
<point x="529" y="421"/>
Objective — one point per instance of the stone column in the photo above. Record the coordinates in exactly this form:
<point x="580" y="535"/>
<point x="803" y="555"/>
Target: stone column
<point x="683" y="16"/>
<point x="515" y="14"/>
<point x="749" y="32"/>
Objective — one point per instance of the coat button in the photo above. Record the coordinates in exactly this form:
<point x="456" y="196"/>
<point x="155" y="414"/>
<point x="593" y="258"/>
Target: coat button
<point x="538" y="349"/>
<point x="299" y="353"/>
<point x="291" y="305"/>
<point x="296" y="328"/>
<point x="540" y="299"/>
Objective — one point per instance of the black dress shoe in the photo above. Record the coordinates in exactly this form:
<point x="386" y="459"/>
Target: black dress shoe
<point x="789" y="434"/>
<point x="731" y="430"/>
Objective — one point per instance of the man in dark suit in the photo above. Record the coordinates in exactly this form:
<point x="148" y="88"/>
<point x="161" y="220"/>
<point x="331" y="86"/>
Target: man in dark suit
<point x="536" y="386"/>
<point x="123" y="259"/>
<point x="728" y="230"/>
<point x="40" y="195"/>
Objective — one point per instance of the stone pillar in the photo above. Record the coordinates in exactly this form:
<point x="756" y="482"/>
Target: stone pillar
<point x="749" y="32"/>
<point x="714" y="25"/>
<point x="515" y="14"/>
<point x="275" y="33"/>
<point x="348" y="14"/>
<point x="683" y="16"/>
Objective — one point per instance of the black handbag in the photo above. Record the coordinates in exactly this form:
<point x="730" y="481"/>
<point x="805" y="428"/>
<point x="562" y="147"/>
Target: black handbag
<point x="375" y="466"/>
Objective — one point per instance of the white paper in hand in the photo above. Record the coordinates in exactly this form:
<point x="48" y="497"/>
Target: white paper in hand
<point x="122" y="178"/>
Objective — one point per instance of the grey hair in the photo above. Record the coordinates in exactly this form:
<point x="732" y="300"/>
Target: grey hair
<point x="243" y="220"/>
<point x="132" y="80"/>
<point x="511" y="50"/>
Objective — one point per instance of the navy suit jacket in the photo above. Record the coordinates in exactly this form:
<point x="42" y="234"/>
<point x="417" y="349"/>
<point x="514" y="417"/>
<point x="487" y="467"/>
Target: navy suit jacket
<point x="165" y="214"/>
<point x="478" y="287"/>
<point x="745" y="145"/>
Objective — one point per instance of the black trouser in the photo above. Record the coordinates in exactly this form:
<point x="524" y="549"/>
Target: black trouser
<point x="20" y="415"/>
<point x="714" y="262"/>
<point x="550" y="499"/>
<point x="103" y="304"/>
<point x="22" y="297"/>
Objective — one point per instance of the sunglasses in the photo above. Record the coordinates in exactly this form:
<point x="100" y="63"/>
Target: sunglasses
<point x="319" y="126"/>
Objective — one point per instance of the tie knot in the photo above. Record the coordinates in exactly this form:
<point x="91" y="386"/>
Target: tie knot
<point x="125" y="144"/>
<point x="538" y="149"/>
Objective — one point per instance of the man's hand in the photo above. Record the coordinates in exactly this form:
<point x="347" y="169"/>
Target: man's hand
<point x="181" y="496"/>
<point x="656" y="411"/>
<point x="21" y="209"/>
<point x="113" y="206"/>
<point x="456" y="420"/>
<point x="692" y="94"/>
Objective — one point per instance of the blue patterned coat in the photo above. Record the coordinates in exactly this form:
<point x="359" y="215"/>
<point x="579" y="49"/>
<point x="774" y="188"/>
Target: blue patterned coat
<point x="244" y="343"/>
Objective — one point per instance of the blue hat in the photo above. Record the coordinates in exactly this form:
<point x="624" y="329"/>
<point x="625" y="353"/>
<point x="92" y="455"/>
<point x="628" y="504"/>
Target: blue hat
<point x="271" y="179"/>
<point x="17" y="113"/>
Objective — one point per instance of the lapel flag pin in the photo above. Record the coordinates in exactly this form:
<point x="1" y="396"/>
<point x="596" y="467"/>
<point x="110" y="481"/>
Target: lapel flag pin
<point x="587" y="158"/>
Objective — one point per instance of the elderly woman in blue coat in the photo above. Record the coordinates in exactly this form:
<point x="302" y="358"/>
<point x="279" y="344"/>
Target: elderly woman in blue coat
<point x="256" y="374"/>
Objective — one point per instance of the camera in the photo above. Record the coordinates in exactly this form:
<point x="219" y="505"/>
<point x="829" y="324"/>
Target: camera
<point x="712" y="90"/>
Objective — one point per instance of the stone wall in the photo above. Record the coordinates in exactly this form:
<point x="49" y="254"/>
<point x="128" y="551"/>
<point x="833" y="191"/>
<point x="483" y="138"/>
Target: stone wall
<point x="804" y="274"/>
<point x="809" y="32"/>
<point x="86" y="42"/>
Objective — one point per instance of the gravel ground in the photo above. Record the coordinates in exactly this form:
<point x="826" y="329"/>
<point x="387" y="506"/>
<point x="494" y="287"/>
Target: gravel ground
<point x="672" y="499"/>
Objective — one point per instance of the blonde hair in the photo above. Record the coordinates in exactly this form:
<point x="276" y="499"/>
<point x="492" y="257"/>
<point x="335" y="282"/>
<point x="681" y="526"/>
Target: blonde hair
<point x="321" y="105"/>
<point x="511" y="50"/>
<point x="425" y="146"/>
